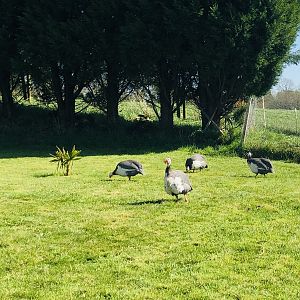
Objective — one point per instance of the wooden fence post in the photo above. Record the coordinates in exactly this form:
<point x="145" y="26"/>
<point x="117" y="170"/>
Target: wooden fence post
<point x="264" y="111"/>
<point x="296" y="113"/>
<point x="247" y="120"/>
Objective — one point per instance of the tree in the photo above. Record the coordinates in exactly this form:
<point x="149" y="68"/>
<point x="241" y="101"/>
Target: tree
<point x="285" y="84"/>
<point x="112" y="84"/>
<point x="9" y="26"/>
<point x="160" y="52"/>
<point x="294" y="58"/>
<point x="241" y="52"/>
<point x="56" y="48"/>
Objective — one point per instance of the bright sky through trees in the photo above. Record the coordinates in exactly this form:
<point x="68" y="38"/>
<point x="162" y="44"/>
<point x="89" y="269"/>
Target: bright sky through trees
<point x="292" y="72"/>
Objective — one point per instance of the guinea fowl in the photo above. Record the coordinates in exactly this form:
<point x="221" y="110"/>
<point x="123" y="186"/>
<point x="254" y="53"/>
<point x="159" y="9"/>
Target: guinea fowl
<point x="259" y="165"/>
<point x="195" y="162"/>
<point x="176" y="182"/>
<point x="127" y="168"/>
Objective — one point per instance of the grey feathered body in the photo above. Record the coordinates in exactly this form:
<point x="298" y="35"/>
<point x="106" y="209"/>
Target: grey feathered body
<point x="177" y="182"/>
<point x="128" y="168"/>
<point x="196" y="162"/>
<point x="260" y="165"/>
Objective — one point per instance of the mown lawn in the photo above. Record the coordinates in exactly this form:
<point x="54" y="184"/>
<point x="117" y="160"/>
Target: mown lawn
<point x="90" y="237"/>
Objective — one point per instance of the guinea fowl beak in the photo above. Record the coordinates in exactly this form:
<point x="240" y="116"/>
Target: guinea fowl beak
<point x="167" y="161"/>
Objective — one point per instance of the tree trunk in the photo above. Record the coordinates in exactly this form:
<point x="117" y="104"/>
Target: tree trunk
<point x="166" y="111"/>
<point x="184" y="110"/>
<point x="210" y="121"/>
<point x="178" y="108"/>
<point x="7" y="99"/>
<point x="66" y="112"/>
<point x="69" y="114"/>
<point x="210" y="114"/>
<point x="28" y="87"/>
<point x="112" y="94"/>
<point x="65" y="97"/>
<point x="25" y="87"/>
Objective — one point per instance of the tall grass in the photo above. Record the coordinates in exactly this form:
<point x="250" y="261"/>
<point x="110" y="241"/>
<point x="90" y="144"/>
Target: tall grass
<point x="280" y="138"/>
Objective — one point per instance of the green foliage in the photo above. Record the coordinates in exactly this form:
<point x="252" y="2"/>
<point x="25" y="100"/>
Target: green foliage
<point x="65" y="159"/>
<point x="294" y="58"/>
<point x="241" y="52"/>
<point x="60" y="60"/>
<point x="9" y="55"/>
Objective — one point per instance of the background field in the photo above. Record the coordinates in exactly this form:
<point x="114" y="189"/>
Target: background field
<point x="280" y="138"/>
<point x="282" y="125"/>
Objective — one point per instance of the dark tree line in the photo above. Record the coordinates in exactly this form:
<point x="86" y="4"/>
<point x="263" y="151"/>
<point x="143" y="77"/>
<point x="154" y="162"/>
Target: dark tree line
<point x="213" y="53"/>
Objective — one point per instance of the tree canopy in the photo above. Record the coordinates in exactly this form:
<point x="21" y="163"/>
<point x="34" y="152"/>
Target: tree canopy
<point x="211" y="52"/>
<point x="241" y="53"/>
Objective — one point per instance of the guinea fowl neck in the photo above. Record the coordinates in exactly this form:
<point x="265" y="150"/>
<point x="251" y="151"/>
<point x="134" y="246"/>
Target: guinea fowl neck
<point x="167" y="172"/>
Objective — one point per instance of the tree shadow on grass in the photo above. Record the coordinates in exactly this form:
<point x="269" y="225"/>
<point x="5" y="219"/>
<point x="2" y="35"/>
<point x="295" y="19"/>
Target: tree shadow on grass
<point x="34" y="132"/>
<point x="121" y="140"/>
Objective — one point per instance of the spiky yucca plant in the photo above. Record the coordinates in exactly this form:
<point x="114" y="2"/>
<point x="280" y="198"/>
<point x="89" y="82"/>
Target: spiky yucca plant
<point x="65" y="159"/>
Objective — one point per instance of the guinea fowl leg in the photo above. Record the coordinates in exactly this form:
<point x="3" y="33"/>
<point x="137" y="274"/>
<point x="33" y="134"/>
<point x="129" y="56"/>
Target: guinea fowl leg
<point x="129" y="177"/>
<point x="185" y="198"/>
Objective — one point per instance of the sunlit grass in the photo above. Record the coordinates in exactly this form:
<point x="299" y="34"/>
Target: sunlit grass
<point x="281" y="127"/>
<point x="280" y="138"/>
<point x="88" y="236"/>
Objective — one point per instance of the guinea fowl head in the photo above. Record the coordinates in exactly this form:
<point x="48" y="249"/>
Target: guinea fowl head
<point x="110" y="174"/>
<point x="168" y="161"/>
<point x="249" y="155"/>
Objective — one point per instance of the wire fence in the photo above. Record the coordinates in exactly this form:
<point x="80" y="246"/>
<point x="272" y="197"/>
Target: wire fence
<point x="279" y="125"/>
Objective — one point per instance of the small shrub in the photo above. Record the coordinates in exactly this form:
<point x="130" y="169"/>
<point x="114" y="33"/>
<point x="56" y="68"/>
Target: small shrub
<point x="65" y="159"/>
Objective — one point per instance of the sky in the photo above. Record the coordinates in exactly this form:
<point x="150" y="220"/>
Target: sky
<point x="291" y="73"/>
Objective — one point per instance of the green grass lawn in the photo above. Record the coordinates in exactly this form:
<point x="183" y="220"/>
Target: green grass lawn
<point x="90" y="237"/>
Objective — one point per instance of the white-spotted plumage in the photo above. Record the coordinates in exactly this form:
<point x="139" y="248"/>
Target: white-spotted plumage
<point x="259" y="165"/>
<point x="176" y="182"/>
<point x="128" y="168"/>
<point x="195" y="162"/>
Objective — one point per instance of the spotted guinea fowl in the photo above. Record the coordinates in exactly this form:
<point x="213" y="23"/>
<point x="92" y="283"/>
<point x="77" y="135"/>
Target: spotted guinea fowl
<point x="259" y="165"/>
<point x="127" y="168"/>
<point x="176" y="182"/>
<point x="195" y="162"/>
